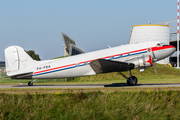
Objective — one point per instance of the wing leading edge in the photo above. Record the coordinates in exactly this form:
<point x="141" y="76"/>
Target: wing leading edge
<point x="106" y="66"/>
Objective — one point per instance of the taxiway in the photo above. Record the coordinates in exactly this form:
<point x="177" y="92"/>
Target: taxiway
<point x="113" y="85"/>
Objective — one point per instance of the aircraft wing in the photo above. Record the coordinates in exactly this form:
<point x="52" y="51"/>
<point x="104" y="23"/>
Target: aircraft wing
<point x="105" y="66"/>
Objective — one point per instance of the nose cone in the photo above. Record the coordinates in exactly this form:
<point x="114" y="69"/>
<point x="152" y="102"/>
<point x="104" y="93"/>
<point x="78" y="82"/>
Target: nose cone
<point x="168" y="50"/>
<point x="164" y="51"/>
<point x="171" y="49"/>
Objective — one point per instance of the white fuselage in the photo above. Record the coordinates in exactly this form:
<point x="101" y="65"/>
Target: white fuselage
<point x="78" y="65"/>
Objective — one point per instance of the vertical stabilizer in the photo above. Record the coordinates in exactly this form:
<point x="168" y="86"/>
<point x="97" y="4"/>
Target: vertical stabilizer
<point x="17" y="60"/>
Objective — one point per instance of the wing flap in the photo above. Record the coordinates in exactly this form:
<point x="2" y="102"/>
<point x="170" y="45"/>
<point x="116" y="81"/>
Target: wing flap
<point x="106" y="66"/>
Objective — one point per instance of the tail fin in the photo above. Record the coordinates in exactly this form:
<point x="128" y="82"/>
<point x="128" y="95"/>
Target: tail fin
<point x="17" y="60"/>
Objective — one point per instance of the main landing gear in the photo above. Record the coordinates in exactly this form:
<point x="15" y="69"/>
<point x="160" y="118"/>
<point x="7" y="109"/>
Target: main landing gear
<point x="132" y="80"/>
<point x="31" y="82"/>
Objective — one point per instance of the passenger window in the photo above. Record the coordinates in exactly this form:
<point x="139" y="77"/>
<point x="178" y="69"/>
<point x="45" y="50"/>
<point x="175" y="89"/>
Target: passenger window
<point x="112" y="57"/>
<point x="120" y="56"/>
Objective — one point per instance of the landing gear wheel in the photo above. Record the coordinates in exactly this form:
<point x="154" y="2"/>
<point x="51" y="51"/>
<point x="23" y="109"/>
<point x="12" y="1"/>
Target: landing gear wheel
<point x="132" y="82"/>
<point x="30" y="83"/>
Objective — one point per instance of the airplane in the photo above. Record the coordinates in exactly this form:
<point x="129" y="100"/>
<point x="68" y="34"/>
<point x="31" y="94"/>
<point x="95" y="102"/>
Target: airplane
<point x="141" y="55"/>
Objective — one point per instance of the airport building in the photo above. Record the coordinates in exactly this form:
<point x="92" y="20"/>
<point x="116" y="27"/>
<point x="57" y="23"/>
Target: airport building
<point x="70" y="46"/>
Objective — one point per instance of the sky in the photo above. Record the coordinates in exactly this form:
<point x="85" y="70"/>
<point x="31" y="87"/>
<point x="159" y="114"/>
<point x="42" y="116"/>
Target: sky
<point x="93" y="24"/>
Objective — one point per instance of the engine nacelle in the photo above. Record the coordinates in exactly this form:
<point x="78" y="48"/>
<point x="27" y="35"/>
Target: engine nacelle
<point x="142" y="62"/>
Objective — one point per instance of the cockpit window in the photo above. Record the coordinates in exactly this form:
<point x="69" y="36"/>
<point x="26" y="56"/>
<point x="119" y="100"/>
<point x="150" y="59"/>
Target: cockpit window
<point x="165" y="45"/>
<point x="161" y="44"/>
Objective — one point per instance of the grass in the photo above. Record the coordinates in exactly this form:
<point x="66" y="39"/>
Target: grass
<point x="155" y="104"/>
<point x="7" y="80"/>
<point x="103" y="103"/>
<point x="165" y="74"/>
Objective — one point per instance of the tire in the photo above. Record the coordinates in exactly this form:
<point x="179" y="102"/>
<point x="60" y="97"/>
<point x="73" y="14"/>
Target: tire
<point x="134" y="79"/>
<point x="30" y="84"/>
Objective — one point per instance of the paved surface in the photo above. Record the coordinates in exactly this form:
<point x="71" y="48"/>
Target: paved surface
<point x="117" y="85"/>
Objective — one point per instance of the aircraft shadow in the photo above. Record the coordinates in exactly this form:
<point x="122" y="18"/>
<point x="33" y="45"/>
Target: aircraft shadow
<point x="138" y="85"/>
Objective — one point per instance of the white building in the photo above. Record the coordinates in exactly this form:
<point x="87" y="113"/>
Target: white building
<point x="151" y="32"/>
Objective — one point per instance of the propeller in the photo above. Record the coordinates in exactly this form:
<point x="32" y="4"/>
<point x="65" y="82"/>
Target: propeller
<point x="154" y="67"/>
<point x="153" y="61"/>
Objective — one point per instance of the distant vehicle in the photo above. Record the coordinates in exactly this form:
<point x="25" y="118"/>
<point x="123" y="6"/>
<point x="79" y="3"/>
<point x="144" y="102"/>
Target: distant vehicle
<point x="19" y="65"/>
<point x="2" y="64"/>
<point x="173" y="61"/>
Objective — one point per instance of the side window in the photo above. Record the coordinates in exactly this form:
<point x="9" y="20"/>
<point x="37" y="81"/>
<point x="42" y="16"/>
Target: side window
<point x="112" y="57"/>
<point x="120" y="56"/>
<point x="129" y="54"/>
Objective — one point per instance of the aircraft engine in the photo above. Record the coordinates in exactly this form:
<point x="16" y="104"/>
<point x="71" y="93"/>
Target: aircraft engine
<point x="142" y="62"/>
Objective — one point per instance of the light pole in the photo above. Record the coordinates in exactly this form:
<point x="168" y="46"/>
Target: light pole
<point x="177" y="33"/>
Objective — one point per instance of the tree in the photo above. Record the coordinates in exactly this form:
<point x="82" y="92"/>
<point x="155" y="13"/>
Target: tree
<point x="33" y="55"/>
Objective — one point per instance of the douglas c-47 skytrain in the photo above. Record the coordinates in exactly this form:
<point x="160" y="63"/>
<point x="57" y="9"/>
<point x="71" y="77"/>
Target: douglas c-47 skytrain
<point x="19" y="65"/>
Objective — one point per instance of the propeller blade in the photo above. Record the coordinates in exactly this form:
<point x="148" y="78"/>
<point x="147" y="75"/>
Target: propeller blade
<point x="154" y="67"/>
<point x="154" y="57"/>
<point x="153" y="61"/>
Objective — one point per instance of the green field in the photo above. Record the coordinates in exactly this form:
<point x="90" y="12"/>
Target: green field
<point x="94" y="104"/>
<point x="165" y="74"/>
<point x="138" y="105"/>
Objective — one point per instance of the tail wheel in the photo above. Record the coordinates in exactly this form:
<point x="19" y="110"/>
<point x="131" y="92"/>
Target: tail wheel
<point x="133" y="81"/>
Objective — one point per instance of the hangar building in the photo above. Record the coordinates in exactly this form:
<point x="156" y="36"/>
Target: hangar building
<point x="70" y="46"/>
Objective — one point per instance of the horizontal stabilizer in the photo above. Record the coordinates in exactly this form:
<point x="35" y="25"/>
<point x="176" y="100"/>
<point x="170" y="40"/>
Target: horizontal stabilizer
<point x="23" y="76"/>
<point x="106" y="66"/>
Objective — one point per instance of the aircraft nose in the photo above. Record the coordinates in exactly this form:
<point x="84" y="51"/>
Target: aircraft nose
<point x="164" y="52"/>
<point x="172" y="49"/>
